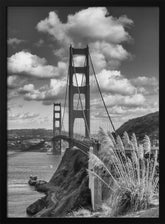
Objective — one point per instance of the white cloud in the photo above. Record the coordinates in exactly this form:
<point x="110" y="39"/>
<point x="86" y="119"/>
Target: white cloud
<point x="45" y="119"/>
<point x="99" y="61"/>
<point x="111" y="55"/>
<point x="132" y="101"/>
<point x="129" y="101"/>
<point x="26" y="88"/>
<point x="25" y="63"/>
<point x="15" y="81"/>
<point x="52" y="92"/>
<point x="14" y="41"/>
<point x="12" y="81"/>
<point x="120" y="114"/>
<point x="93" y="26"/>
<point x="22" y="116"/>
<point x="61" y="53"/>
<point x="145" y="81"/>
<point x="13" y="93"/>
<point x="147" y="85"/>
<point x="53" y="26"/>
<point x="114" y="82"/>
<point x="119" y="111"/>
<point x="107" y="56"/>
<point x="87" y="25"/>
<point x="39" y="43"/>
<point x="125" y="108"/>
<point x="35" y="95"/>
<point x="110" y="50"/>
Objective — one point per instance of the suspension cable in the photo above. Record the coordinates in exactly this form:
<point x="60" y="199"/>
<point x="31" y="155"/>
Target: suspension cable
<point x="102" y="95"/>
<point x="82" y="107"/>
<point x="80" y="99"/>
<point x="66" y="90"/>
<point x="82" y="79"/>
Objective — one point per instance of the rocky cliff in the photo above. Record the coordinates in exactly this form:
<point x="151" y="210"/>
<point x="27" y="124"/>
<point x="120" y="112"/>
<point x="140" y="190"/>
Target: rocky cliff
<point x="67" y="190"/>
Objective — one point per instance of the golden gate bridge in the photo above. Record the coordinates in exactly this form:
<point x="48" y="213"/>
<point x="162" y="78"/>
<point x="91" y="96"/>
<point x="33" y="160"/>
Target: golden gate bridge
<point x="77" y="96"/>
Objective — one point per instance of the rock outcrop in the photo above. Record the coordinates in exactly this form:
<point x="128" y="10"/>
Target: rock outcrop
<point x="67" y="190"/>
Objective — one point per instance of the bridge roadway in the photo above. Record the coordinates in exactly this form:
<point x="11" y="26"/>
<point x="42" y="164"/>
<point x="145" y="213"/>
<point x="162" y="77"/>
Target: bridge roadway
<point x="86" y="143"/>
<point x="83" y="145"/>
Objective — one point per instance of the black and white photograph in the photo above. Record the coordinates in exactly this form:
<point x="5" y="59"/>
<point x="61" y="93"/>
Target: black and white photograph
<point x="82" y="112"/>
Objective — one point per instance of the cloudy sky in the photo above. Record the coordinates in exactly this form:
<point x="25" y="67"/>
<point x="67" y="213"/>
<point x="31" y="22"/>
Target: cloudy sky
<point x="123" y="44"/>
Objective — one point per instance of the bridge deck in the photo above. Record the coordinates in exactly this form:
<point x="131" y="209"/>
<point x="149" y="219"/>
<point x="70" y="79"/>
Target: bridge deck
<point x="85" y="144"/>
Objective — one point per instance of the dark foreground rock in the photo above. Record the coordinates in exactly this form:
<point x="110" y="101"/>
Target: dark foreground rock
<point x="36" y="183"/>
<point x="36" y="206"/>
<point x="67" y="190"/>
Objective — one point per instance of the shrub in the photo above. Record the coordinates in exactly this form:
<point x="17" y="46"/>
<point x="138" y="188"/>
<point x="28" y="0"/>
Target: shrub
<point x="135" y="182"/>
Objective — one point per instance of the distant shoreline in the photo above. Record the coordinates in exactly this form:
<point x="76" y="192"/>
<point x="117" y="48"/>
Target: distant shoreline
<point x="11" y="153"/>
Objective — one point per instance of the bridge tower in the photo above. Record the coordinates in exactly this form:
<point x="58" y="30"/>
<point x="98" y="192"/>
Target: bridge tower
<point x="73" y="113"/>
<point x="56" y="128"/>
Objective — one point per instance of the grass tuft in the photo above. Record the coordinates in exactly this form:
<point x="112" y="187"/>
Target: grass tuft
<point x="135" y="178"/>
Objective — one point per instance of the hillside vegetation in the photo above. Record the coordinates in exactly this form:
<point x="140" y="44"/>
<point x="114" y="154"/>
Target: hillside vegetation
<point x="141" y="126"/>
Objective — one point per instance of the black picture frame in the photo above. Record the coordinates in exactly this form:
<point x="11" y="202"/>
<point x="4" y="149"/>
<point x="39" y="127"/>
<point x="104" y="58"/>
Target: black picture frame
<point x="4" y="4"/>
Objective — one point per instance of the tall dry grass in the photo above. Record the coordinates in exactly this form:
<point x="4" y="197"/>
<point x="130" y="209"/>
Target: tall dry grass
<point x="135" y="178"/>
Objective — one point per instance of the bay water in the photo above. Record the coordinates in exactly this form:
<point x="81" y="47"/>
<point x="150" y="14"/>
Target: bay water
<point x="20" y="166"/>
